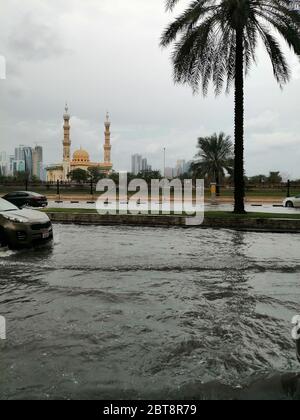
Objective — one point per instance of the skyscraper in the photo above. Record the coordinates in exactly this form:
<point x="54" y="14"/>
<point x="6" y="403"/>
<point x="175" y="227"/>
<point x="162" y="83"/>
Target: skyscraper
<point x="3" y="164"/>
<point x="28" y="161"/>
<point x="24" y="159"/>
<point x="18" y="164"/>
<point x="180" y="167"/>
<point x="37" y="162"/>
<point x="19" y="153"/>
<point x="144" y="165"/>
<point x="136" y="164"/>
<point x="11" y="160"/>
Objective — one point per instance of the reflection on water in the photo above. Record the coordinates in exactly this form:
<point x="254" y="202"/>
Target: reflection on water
<point x="118" y="312"/>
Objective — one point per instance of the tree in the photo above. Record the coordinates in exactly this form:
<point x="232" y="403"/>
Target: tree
<point x="79" y="175"/>
<point x="35" y="179"/>
<point x="218" y="42"/>
<point x="149" y="175"/>
<point x="214" y="158"/>
<point x="95" y="173"/>
<point x="275" y="178"/>
<point x="258" y="179"/>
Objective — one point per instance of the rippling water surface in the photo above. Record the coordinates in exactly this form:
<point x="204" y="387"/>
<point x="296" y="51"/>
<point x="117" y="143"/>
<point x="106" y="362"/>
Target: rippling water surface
<point x="118" y="312"/>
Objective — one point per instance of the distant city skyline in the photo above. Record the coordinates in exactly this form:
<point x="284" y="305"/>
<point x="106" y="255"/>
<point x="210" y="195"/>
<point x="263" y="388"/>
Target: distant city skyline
<point x="139" y="164"/>
<point x="24" y="159"/>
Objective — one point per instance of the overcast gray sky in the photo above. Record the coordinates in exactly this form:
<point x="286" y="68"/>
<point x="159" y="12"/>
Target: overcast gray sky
<point x="104" y="55"/>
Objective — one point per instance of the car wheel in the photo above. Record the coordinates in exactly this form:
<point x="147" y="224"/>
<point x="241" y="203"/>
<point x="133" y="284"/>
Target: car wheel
<point x="289" y="204"/>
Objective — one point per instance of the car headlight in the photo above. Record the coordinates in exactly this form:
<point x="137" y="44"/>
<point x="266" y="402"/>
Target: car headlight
<point x="15" y="219"/>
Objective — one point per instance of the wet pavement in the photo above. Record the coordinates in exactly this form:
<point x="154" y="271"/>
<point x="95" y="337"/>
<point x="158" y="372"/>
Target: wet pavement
<point x="265" y="208"/>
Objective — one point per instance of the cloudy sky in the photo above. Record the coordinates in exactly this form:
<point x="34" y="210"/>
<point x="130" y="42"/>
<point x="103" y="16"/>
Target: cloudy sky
<point x="103" y="55"/>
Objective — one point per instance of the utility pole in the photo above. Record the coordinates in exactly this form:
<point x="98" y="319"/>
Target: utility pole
<point x="164" y="162"/>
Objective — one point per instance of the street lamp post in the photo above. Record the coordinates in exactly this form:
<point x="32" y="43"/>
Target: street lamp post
<point x="164" y="162"/>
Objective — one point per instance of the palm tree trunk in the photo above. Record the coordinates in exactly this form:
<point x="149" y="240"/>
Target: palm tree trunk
<point x="218" y="190"/>
<point x="239" y="182"/>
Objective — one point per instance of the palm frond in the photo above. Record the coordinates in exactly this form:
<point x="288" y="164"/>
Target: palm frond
<point x="204" y="39"/>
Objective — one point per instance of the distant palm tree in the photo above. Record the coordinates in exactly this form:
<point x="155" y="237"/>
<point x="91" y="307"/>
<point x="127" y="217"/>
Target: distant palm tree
<point x="218" y="40"/>
<point x="215" y="157"/>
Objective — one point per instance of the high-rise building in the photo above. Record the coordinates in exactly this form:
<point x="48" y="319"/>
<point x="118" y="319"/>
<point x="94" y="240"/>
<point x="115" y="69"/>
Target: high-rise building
<point x="136" y="164"/>
<point x="19" y="153"/>
<point x="37" y="162"/>
<point x="139" y="164"/>
<point x="144" y="165"/>
<point x="19" y="166"/>
<point x="11" y="160"/>
<point x="180" y="168"/>
<point x="28" y="154"/>
<point x="24" y="154"/>
<point x="169" y="173"/>
<point x="187" y="167"/>
<point x="3" y="164"/>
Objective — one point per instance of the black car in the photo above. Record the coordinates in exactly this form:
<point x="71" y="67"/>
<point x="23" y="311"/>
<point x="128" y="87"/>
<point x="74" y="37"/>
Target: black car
<point x="26" y="198"/>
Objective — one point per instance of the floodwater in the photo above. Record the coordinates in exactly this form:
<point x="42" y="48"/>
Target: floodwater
<point x="122" y="312"/>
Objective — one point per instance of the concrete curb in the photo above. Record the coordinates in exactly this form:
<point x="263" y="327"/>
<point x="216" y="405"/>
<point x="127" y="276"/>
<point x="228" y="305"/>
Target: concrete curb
<point x="246" y="224"/>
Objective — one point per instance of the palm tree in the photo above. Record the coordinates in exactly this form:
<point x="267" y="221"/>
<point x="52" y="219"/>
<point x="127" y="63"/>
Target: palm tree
<point x="215" y="157"/>
<point x="217" y="42"/>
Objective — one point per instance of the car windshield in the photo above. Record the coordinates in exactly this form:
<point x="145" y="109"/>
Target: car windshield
<point x="6" y="206"/>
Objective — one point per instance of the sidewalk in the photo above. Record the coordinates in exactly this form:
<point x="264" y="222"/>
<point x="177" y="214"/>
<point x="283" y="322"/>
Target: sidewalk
<point x="221" y="200"/>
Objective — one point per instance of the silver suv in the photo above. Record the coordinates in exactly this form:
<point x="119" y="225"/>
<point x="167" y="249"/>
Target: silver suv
<point x="23" y="228"/>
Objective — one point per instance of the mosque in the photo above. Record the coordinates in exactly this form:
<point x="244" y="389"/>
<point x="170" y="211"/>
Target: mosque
<point x="81" y="158"/>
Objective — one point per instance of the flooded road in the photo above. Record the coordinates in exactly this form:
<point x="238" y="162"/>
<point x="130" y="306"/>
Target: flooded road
<point x="119" y="312"/>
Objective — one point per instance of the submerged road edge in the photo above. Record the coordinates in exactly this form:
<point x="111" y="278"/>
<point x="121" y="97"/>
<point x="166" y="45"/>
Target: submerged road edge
<point x="284" y="225"/>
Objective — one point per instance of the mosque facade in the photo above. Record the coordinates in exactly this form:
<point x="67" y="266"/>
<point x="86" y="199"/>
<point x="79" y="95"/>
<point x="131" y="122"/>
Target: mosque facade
<point x="80" y="158"/>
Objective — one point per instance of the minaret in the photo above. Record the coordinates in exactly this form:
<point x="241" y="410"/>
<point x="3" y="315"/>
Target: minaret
<point x="66" y="145"/>
<point x="107" y="145"/>
<point x="67" y="140"/>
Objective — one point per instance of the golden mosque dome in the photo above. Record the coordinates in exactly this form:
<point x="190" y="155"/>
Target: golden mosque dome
<point x="81" y="156"/>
